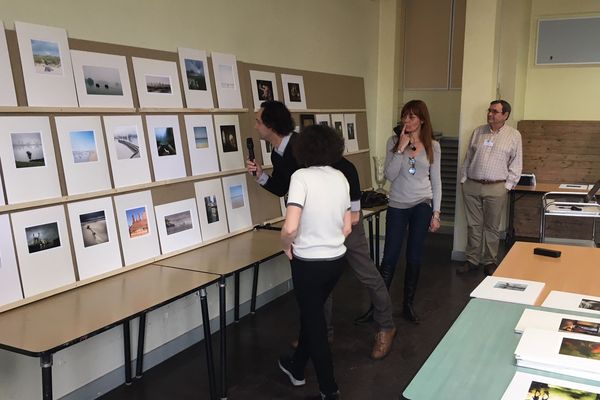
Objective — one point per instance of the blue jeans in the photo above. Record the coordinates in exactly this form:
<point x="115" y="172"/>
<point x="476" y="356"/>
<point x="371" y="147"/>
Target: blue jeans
<point x="417" y="219"/>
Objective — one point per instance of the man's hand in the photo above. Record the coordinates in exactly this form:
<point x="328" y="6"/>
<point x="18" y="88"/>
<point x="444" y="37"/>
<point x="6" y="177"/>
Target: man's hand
<point x="288" y="252"/>
<point x="252" y="166"/>
<point x="354" y="217"/>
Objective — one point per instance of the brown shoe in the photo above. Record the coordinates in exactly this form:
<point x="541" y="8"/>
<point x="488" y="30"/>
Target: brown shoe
<point x="489" y="269"/>
<point x="466" y="268"/>
<point x="383" y="343"/>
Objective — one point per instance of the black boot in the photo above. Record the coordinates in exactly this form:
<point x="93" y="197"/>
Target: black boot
<point x="387" y="273"/>
<point x="411" y="278"/>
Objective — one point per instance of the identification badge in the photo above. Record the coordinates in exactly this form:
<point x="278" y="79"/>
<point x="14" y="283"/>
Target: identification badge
<point x="488" y="142"/>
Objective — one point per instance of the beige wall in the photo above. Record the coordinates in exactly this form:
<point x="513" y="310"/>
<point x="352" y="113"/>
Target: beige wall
<point x="443" y="105"/>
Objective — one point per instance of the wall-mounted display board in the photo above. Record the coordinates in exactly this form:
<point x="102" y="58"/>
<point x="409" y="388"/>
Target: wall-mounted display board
<point x="28" y="160"/>
<point x="8" y="96"/>
<point x="196" y="76"/>
<point x="46" y="65"/>
<point x="83" y="153"/>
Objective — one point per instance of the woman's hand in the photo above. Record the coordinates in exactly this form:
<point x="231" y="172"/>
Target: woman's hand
<point x="288" y="252"/>
<point x="434" y="225"/>
<point x="404" y="140"/>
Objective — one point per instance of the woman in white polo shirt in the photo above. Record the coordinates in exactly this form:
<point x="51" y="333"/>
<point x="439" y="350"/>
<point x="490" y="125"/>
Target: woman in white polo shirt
<point x="316" y="225"/>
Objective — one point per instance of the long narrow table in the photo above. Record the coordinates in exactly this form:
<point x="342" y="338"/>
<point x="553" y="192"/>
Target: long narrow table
<point x="44" y="327"/>
<point x="475" y="359"/>
<point x="574" y="271"/>
<point x="226" y="258"/>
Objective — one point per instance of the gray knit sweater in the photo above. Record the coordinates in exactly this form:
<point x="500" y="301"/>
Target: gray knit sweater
<point x="407" y="190"/>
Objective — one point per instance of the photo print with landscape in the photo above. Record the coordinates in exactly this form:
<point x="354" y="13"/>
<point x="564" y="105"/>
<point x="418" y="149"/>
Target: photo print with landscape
<point x="178" y="222"/>
<point x="519" y="287"/>
<point x="83" y="146"/>
<point x="137" y="222"/>
<point x="194" y="71"/>
<point x="580" y="348"/>
<point x="42" y="237"/>
<point x="542" y="390"/>
<point x="27" y="149"/>
<point x="46" y="57"/>
<point x="212" y="210"/>
<point x="589" y="304"/>
<point x="104" y="81"/>
<point x="294" y="92"/>
<point x="228" y="138"/>
<point x="578" y="326"/>
<point x="126" y="142"/>
<point x="201" y="137"/>
<point x="265" y="90"/>
<point x="165" y="141"/>
<point x="236" y="195"/>
<point x="158" y="84"/>
<point x="93" y="228"/>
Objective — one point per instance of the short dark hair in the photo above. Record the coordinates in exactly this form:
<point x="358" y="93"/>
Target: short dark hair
<point x="505" y="106"/>
<point x="276" y="116"/>
<point x="318" y="145"/>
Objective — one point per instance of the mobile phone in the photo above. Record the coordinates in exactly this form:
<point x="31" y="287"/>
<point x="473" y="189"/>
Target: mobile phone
<point x="398" y="129"/>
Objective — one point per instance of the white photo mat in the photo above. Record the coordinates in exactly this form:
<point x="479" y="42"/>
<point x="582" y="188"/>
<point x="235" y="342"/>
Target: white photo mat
<point x="266" y="149"/>
<point x="211" y="209"/>
<point x="8" y="96"/>
<point x="83" y="153"/>
<point x="202" y="145"/>
<point x="125" y="139"/>
<point x="523" y="385"/>
<point x="229" y="142"/>
<point x="264" y="87"/>
<point x="2" y="199"/>
<point x="235" y="191"/>
<point x="350" y="133"/>
<point x="509" y="290"/>
<point x="293" y="91"/>
<point x="166" y="149"/>
<point x="10" y="282"/>
<point x="557" y="322"/>
<point x="573" y="302"/>
<point x="227" y="80"/>
<point x="196" y="78"/>
<point x="102" y="80"/>
<point x="157" y="83"/>
<point x="95" y="238"/>
<point x="178" y="225"/>
<point x="323" y="119"/>
<point x="28" y="159"/>
<point x="43" y="249"/>
<point x="137" y="227"/>
<point x="46" y="65"/>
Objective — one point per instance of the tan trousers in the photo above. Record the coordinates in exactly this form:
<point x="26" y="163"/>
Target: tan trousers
<point x="484" y="205"/>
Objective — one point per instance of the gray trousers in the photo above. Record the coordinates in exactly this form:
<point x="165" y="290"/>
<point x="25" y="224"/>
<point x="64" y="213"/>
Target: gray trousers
<point x="484" y="206"/>
<point x="357" y="255"/>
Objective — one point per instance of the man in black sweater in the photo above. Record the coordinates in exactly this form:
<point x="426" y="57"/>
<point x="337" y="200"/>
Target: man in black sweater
<point x="274" y="124"/>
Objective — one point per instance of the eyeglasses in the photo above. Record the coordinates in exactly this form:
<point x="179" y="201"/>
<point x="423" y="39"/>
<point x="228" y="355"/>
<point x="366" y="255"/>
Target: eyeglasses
<point x="412" y="170"/>
<point x="491" y="110"/>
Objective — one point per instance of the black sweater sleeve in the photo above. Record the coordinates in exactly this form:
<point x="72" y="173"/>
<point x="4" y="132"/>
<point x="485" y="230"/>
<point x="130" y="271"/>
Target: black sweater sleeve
<point x="283" y="168"/>
<point x="351" y="174"/>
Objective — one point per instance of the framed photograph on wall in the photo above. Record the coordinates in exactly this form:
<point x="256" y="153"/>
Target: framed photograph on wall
<point x="28" y="160"/>
<point x="350" y="134"/>
<point x="237" y="202"/>
<point x="227" y="80"/>
<point x="201" y="144"/>
<point x="306" y="120"/>
<point x="83" y="153"/>
<point x="323" y="119"/>
<point x="178" y="225"/>
<point x="196" y="78"/>
<point x="211" y="209"/>
<point x="166" y="149"/>
<point x="229" y="142"/>
<point x="8" y="96"/>
<point x="102" y="80"/>
<point x="43" y="249"/>
<point x="95" y="239"/>
<point x="157" y="83"/>
<point x="293" y="91"/>
<point x="46" y="64"/>
<point x="10" y="282"/>
<point x="137" y="226"/>
<point x="264" y="87"/>
<point x="127" y="150"/>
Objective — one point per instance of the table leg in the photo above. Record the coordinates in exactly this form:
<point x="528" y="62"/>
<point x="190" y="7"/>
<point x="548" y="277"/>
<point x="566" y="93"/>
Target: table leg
<point x="223" y="337"/>
<point x="371" y="248"/>
<point x="127" y="351"/>
<point x="510" y="231"/>
<point x="254" y="289"/>
<point x="139" y="364"/>
<point x="46" y="364"/>
<point x="377" y="240"/>
<point x="208" y="344"/>
<point x="236" y="293"/>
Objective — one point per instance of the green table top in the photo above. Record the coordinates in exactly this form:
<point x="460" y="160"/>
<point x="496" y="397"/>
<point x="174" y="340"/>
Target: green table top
<point x="475" y="359"/>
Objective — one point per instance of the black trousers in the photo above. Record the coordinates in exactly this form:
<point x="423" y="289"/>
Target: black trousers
<point x="313" y="282"/>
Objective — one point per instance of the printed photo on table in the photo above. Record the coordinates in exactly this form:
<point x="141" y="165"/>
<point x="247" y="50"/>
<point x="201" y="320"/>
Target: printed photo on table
<point x="519" y="287"/>
<point x="590" y="304"/>
<point x="543" y="391"/>
<point x="580" y="348"/>
<point x="577" y="326"/>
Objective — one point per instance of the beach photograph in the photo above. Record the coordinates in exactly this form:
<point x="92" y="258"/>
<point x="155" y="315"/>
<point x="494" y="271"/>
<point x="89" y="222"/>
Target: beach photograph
<point x="201" y="137"/>
<point x="236" y="195"/>
<point x="83" y="146"/>
<point x="46" y="57"/>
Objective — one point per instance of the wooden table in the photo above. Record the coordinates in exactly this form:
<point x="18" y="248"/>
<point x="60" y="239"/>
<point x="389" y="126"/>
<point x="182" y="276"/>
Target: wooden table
<point x="44" y="327"/>
<point x="576" y="270"/>
<point x="225" y="258"/>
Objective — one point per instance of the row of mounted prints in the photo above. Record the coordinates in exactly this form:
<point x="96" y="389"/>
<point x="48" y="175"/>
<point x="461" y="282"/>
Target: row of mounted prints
<point x="43" y="246"/>
<point x="58" y="77"/>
